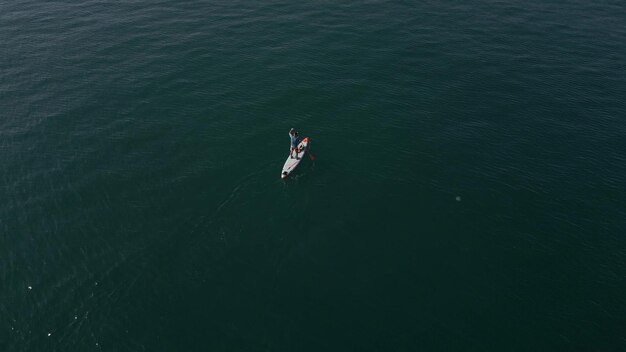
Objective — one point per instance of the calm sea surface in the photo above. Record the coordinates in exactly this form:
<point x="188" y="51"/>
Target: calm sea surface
<point x="467" y="193"/>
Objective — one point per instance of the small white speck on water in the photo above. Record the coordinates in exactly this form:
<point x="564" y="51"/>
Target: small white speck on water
<point x="75" y="317"/>
<point x="49" y="334"/>
<point x="96" y="283"/>
<point x="30" y="287"/>
<point x="458" y="198"/>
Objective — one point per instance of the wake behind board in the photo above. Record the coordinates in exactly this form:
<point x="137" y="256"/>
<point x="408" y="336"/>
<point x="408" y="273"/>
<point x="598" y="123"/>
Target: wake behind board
<point x="291" y="163"/>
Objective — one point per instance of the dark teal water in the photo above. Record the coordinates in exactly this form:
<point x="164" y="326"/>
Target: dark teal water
<point x="467" y="191"/>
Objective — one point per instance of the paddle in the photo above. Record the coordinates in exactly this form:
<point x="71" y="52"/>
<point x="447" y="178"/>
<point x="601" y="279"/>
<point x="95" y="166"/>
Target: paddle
<point x="311" y="156"/>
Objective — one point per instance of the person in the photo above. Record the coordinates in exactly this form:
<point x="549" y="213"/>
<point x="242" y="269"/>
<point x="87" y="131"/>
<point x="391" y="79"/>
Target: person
<point x="293" y="136"/>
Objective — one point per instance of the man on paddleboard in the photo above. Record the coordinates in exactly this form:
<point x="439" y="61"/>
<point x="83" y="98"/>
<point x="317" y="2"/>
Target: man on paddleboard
<point x="293" y="136"/>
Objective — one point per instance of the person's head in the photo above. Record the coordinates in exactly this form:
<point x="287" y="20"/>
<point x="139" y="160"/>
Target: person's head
<point x="292" y="131"/>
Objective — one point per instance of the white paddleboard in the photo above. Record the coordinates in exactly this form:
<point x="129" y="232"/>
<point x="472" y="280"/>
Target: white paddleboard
<point x="291" y="163"/>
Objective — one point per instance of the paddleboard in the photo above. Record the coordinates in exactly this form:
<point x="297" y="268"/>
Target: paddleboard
<point x="291" y="163"/>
